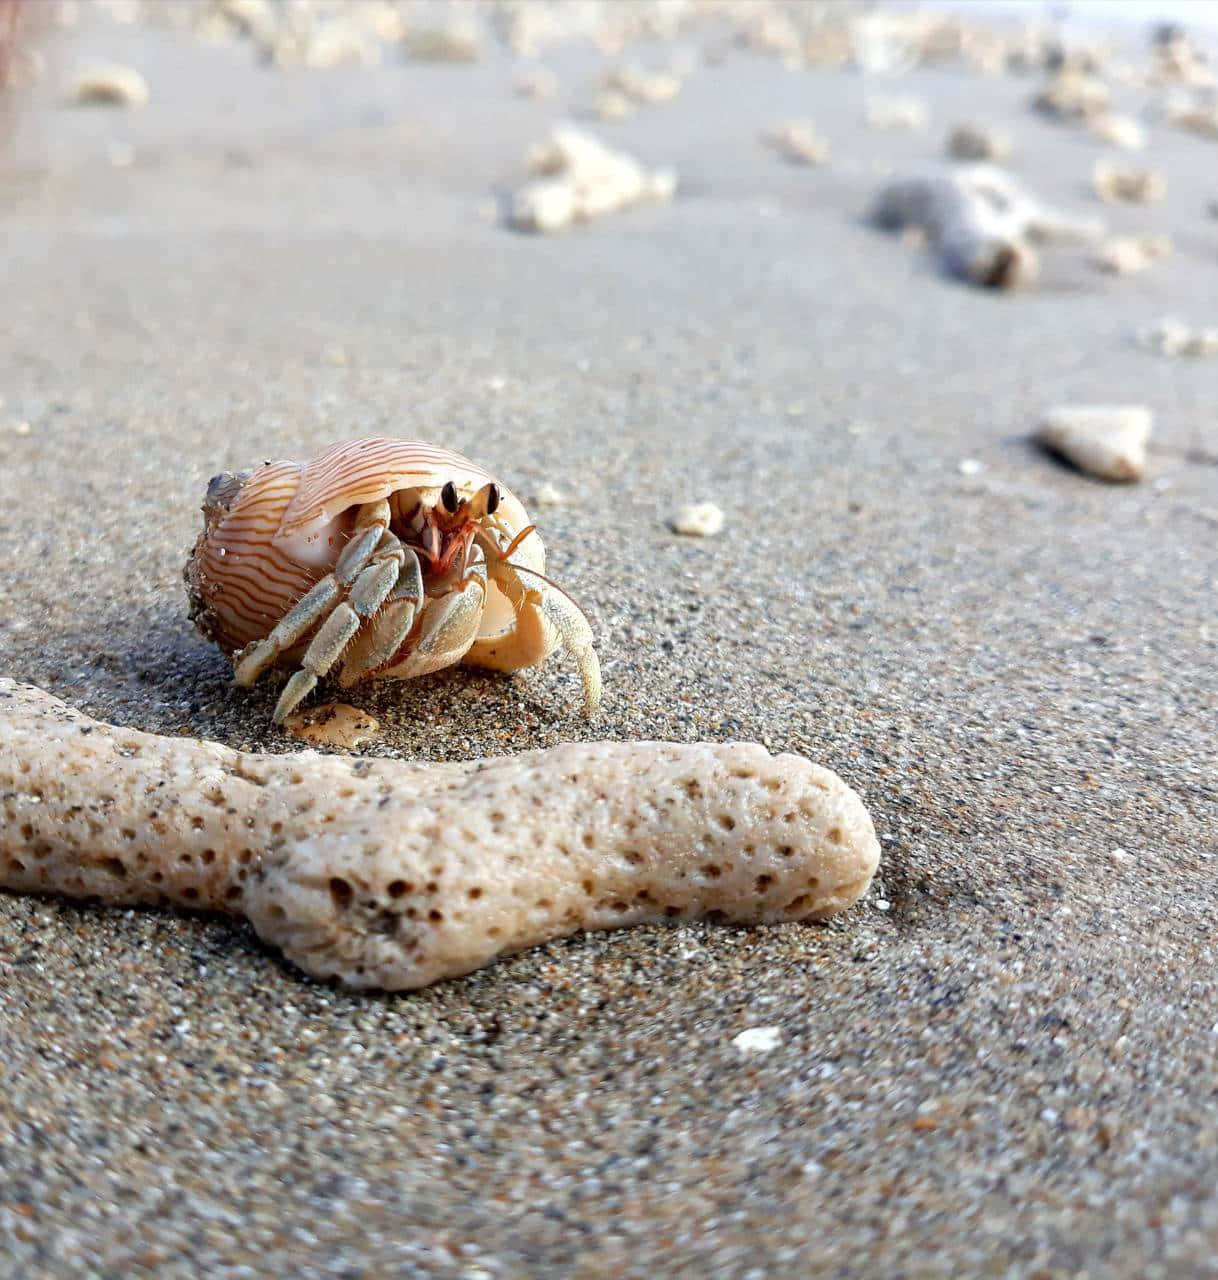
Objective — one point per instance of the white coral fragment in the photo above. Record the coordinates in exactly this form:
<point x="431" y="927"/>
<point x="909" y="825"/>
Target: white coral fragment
<point x="979" y="222"/>
<point x="1118" y="131"/>
<point x="1107" y="441"/>
<point x="758" y="1040"/>
<point x="389" y="874"/>
<point x="1174" y="338"/>
<point x="698" y="520"/>
<point x="549" y="496"/>
<point x="579" y="178"/>
<point x="1126" y="255"/>
<point x="897" y="113"/>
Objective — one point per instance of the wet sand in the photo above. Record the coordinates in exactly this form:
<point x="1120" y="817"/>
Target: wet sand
<point x="1001" y="1062"/>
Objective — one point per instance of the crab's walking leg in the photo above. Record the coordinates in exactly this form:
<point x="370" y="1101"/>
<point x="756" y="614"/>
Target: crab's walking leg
<point x="576" y="637"/>
<point x="305" y="614"/>
<point x="371" y="525"/>
<point x="450" y="626"/>
<point x="387" y="632"/>
<point x="539" y="607"/>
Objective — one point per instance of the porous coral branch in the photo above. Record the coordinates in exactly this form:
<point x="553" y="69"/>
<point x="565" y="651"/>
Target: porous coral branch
<point x="392" y="874"/>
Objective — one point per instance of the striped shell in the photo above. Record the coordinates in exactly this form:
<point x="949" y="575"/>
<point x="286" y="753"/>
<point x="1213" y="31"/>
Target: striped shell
<point x="271" y="532"/>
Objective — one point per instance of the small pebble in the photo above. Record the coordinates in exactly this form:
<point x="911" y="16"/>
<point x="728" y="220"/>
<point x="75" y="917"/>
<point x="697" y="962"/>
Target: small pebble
<point x="1106" y="441"/>
<point x="976" y="142"/>
<point x="970" y="467"/>
<point x="1125" y="255"/>
<point x="698" y="519"/>
<point x="548" y="496"/>
<point x="113" y="86"/>
<point x="1072" y="95"/>
<point x="1172" y="338"/>
<point x="643" y="87"/>
<point x="1133" y="186"/>
<point x="1118" y="131"/>
<point x="897" y="113"/>
<point x="758" y="1040"/>
<point x="798" y="142"/>
<point x="458" y="41"/>
<point x="1200" y="118"/>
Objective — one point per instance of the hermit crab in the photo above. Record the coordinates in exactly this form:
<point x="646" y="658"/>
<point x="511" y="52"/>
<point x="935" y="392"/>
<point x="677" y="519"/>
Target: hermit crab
<point x="385" y="558"/>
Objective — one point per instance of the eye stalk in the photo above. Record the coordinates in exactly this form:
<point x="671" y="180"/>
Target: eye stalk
<point x="448" y="496"/>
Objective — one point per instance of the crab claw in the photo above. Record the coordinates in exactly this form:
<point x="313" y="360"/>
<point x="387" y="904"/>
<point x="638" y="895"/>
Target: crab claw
<point x="537" y="620"/>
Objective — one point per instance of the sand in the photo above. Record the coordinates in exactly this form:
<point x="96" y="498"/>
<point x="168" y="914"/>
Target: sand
<point x="1002" y="1062"/>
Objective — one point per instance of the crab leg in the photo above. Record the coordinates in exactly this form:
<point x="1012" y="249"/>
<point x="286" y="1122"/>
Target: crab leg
<point x="323" y="652"/>
<point x="577" y="640"/>
<point x="254" y="659"/>
<point x="387" y="632"/>
<point x="450" y="626"/>
<point x="539" y="609"/>
<point x="371" y="526"/>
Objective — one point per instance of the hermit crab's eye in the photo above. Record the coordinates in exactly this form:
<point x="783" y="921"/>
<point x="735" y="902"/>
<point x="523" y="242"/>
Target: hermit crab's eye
<point x="492" y="499"/>
<point x="448" y="496"/>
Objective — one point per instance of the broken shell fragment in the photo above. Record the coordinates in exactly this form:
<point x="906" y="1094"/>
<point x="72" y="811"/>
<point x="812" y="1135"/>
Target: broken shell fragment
<point x="579" y="178"/>
<point x="698" y="520"/>
<point x="1107" y="441"/>
<point x="388" y="874"/>
<point x="334" y="724"/>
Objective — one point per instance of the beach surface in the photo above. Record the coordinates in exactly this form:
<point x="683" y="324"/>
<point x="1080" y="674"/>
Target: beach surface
<point x="1001" y="1062"/>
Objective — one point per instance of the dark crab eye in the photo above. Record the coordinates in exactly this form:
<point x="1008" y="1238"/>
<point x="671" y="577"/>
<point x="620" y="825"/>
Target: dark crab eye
<point x="448" y="496"/>
<point x="492" y="500"/>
